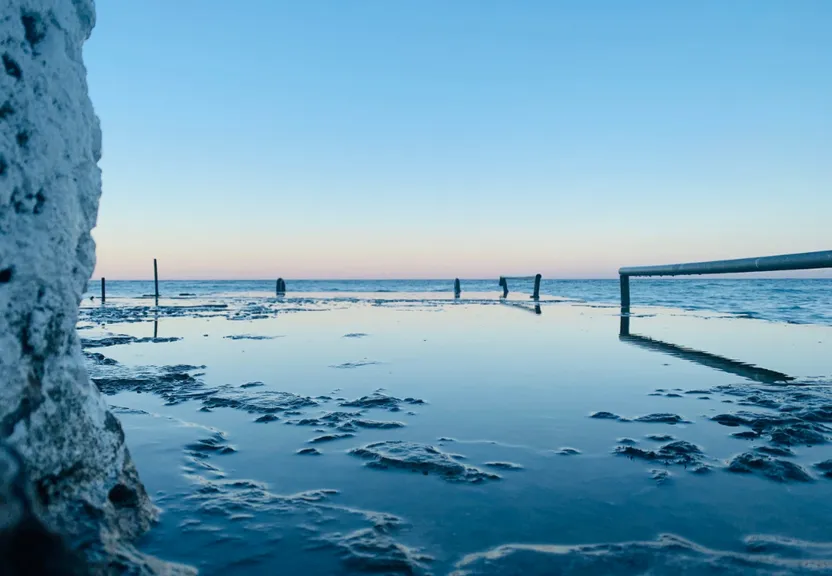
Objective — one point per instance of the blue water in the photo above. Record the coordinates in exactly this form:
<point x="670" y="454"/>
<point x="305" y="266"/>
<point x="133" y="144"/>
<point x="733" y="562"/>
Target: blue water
<point x="507" y="385"/>
<point x="797" y="301"/>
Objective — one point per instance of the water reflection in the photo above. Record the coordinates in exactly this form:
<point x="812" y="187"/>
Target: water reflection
<point x="534" y="309"/>
<point x="714" y="361"/>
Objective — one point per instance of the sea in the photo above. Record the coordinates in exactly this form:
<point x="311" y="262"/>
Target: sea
<point x="789" y="300"/>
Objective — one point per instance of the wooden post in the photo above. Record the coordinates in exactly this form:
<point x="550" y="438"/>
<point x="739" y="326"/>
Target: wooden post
<point x="156" y="280"/>
<point x="625" y="292"/>
<point x="155" y="329"/>
<point x="281" y="287"/>
<point x="536" y="294"/>
<point x="457" y="288"/>
<point x="103" y="290"/>
<point x="504" y="286"/>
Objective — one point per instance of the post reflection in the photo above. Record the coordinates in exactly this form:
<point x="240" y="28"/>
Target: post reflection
<point x="536" y="309"/>
<point x="708" y="359"/>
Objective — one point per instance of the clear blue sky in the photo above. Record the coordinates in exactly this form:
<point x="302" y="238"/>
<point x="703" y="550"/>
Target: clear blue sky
<point x="472" y="138"/>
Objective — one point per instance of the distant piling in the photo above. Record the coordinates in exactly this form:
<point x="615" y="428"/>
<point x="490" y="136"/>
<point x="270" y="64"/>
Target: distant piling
<point x="156" y="280"/>
<point x="537" y="278"/>
<point x="457" y="288"/>
<point x="280" y="287"/>
<point x="103" y="290"/>
<point x="536" y="294"/>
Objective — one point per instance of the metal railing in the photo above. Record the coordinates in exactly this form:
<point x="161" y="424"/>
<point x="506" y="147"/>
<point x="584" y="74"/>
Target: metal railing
<point x="504" y="284"/>
<point x="804" y="261"/>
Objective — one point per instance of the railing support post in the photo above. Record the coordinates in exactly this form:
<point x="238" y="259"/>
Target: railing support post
<point x="625" y="292"/>
<point x="280" y="288"/>
<point x="103" y="290"/>
<point x="536" y="294"/>
<point x="504" y="286"/>
<point x="457" y="288"/>
<point x="156" y="280"/>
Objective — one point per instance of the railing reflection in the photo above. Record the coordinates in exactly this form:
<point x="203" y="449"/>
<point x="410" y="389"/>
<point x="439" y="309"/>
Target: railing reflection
<point x="714" y="361"/>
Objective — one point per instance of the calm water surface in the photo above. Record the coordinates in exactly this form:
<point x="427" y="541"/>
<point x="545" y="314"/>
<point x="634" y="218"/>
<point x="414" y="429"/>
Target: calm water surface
<point x="501" y="383"/>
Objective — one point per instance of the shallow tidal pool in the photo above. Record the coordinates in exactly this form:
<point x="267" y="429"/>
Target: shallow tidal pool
<point x="471" y="437"/>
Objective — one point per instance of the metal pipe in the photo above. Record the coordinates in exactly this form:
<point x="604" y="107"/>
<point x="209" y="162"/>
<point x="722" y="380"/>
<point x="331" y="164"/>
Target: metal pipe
<point x="804" y="261"/>
<point x="457" y="288"/>
<point x="103" y="290"/>
<point x="519" y="277"/>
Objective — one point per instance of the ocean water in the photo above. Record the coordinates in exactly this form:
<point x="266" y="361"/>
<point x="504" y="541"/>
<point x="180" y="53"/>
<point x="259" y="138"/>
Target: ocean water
<point x="798" y="301"/>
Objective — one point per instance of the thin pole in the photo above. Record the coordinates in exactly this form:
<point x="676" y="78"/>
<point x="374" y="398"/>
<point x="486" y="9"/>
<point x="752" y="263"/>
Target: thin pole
<point x="103" y="290"/>
<point x="504" y="286"/>
<point x="156" y="280"/>
<point x="457" y="288"/>
<point x="536" y="294"/>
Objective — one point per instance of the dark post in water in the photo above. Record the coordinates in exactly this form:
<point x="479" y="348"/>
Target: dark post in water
<point x="625" y="292"/>
<point x="103" y="291"/>
<point x="536" y="294"/>
<point x="457" y="288"/>
<point x="504" y="286"/>
<point x="280" y="287"/>
<point x="156" y="280"/>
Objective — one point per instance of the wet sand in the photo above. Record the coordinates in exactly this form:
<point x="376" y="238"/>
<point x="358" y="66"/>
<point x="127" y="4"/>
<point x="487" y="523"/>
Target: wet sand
<point x="410" y="435"/>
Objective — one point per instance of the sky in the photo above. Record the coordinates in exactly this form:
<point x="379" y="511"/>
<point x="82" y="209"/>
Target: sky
<point x="473" y="138"/>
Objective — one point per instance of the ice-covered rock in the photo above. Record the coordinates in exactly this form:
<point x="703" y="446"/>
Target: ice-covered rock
<point x="420" y="458"/>
<point x="677" y="452"/>
<point x="86" y="486"/>
<point x="772" y="468"/>
<point x="669" y="554"/>
<point x="371" y="550"/>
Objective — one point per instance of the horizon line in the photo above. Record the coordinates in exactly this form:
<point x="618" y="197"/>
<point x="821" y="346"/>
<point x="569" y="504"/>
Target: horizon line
<point x="451" y="279"/>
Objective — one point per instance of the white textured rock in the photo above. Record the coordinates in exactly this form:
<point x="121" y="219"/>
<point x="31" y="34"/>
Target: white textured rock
<point x="50" y="412"/>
